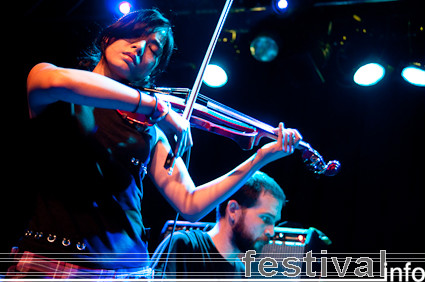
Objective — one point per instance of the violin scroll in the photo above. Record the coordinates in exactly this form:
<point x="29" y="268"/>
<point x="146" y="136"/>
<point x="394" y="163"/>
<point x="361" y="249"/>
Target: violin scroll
<point x="314" y="161"/>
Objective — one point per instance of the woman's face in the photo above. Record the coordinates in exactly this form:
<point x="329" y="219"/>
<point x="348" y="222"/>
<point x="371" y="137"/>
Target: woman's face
<point x="134" y="59"/>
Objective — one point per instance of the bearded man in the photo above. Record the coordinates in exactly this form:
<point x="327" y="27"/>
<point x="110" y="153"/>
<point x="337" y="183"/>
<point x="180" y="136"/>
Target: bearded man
<point x="245" y="221"/>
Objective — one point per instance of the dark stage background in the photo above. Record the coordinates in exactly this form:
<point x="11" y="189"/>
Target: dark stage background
<point x="377" y="133"/>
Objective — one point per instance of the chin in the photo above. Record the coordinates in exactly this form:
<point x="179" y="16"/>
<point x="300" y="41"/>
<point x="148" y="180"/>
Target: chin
<point x="120" y="72"/>
<point x="131" y="76"/>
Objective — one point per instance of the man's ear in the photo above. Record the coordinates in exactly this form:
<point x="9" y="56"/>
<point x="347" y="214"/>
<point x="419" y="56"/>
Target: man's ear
<point x="233" y="210"/>
<point x="233" y="206"/>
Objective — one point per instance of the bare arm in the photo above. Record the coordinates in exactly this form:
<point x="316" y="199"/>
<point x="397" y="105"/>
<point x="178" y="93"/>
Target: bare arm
<point x="196" y="202"/>
<point x="47" y="84"/>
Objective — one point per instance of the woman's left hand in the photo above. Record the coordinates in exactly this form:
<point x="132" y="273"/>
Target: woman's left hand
<point x="287" y="140"/>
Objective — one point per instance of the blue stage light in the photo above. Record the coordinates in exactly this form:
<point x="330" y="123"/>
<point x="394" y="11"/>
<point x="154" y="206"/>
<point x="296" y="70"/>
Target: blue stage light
<point x="369" y="74"/>
<point x="124" y="7"/>
<point x="215" y="76"/>
<point x="280" y="6"/>
<point x="414" y="75"/>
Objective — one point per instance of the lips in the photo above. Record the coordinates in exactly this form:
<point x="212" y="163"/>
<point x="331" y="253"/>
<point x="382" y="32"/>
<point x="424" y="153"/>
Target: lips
<point x="132" y="57"/>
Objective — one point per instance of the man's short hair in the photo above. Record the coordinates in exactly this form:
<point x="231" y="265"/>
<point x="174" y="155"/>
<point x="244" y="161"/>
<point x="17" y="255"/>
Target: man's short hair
<point x="248" y="194"/>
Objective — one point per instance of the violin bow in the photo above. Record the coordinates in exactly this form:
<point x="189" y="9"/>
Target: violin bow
<point x="171" y="159"/>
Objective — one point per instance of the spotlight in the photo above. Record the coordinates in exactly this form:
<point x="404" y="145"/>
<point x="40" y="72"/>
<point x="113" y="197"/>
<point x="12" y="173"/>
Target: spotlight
<point x="280" y="6"/>
<point x="369" y="74"/>
<point x="215" y="76"/>
<point x="414" y="75"/>
<point x="124" y="7"/>
<point x="264" y="48"/>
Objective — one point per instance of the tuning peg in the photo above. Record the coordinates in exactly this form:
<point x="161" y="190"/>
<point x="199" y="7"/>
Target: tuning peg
<point x="332" y="168"/>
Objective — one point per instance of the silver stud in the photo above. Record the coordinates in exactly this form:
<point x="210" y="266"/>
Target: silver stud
<point x="66" y="242"/>
<point x="51" y="238"/>
<point x="81" y="246"/>
<point x="38" y="235"/>
<point x="135" y="161"/>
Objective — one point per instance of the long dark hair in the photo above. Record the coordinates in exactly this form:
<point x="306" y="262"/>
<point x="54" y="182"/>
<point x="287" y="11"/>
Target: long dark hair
<point x="133" y="25"/>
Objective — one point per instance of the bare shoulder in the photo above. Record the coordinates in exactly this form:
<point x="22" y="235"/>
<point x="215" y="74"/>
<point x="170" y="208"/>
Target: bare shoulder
<point x="35" y="76"/>
<point x="39" y="78"/>
<point x="39" y="68"/>
<point x="42" y="66"/>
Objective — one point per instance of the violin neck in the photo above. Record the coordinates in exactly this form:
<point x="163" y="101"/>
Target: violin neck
<point x="304" y="146"/>
<point x="264" y="130"/>
<point x="270" y="134"/>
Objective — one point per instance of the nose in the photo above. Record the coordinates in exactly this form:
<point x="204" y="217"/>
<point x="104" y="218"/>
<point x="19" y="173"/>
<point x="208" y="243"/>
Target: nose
<point x="270" y="231"/>
<point x="139" y="47"/>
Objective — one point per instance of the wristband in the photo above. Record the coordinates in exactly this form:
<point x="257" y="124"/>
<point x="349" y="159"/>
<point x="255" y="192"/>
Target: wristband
<point x="159" y="112"/>
<point x="140" y="101"/>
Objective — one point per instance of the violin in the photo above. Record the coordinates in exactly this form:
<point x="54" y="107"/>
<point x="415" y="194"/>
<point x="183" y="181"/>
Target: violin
<point x="209" y="115"/>
<point x="214" y="117"/>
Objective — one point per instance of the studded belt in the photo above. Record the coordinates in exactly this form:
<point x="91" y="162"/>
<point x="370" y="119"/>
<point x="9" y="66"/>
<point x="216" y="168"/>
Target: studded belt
<point x="53" y="238"/>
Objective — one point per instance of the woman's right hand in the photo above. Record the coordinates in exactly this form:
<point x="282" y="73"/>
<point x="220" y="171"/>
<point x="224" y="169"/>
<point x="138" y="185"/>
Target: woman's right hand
<point x="176" y="127"/>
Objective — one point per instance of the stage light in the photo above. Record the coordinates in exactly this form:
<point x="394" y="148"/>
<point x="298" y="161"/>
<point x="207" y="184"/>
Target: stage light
<point x="414" y="75"/>
<point x="215" y="76"/>
<point x="369" y="74"/>
<point x="280" y="6"/>
<point x="124" y="7"/>
<point x="264" y="48"/>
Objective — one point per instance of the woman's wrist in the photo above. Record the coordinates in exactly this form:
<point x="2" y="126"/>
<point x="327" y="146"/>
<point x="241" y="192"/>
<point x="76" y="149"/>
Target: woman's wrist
<point x="151" y="106"/>
<point x="159" y="111"/>
<point x="268" y="154"/>
<point x="140" y="101"/>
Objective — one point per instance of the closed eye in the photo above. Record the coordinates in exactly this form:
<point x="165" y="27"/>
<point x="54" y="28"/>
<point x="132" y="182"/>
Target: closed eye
<point x="156" y="50"/>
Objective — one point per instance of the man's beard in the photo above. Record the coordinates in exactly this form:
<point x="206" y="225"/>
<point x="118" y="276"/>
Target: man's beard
<point x="242" y="240"/>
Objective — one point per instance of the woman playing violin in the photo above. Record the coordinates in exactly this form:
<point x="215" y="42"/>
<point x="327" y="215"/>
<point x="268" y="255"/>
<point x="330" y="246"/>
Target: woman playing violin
<point x="89" y="160"/>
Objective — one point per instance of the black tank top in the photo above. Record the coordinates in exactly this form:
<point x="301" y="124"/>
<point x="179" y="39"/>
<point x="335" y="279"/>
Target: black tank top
<point x="86" y="165"/>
